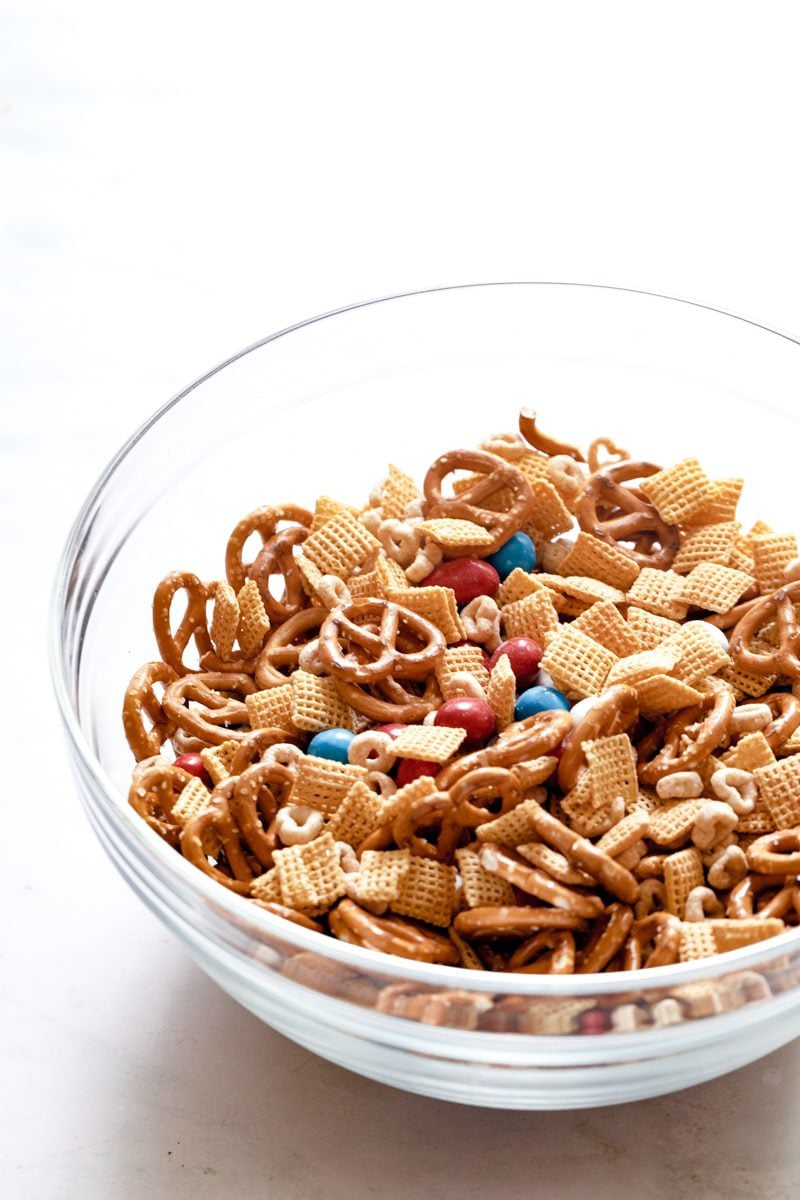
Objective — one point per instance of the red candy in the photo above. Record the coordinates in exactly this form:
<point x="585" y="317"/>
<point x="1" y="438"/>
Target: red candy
<point x="471" y="714"/>
<point x="468" y="577"/>
<point x="194" y="764"/>
<point x="595" y="1020"/>
<point x="524" y="655"/>
<point x="412" y="768"/>
<point x="394" y="729"/>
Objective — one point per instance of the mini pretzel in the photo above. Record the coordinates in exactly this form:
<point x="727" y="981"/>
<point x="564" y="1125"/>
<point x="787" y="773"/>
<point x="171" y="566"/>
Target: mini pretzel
<point x="436" y="811"/>
<point x="389" y="700"/>
<point x="782" y="661"/>
<point x="509" y="921"/>
<point x="155" y="787"/>
<point x="289" y="914"/>
<point x="540" y="441"/>
<point x="217" y="820"/>
<point x="606" y="870"/>
<point x="776" y="853"/>
<point x="607" y="938"/>
<point x="193" y="624"/>
<point x="264" y="522"/>
<point x="523" y="742"/>
<point x="612" y="450"/>
<point x="483" y="785"/>
<point x="254" y="745"/>
<point x="217" y="708"/>
<point x="615" y="712"/>
<point x="386" y="657"/>
<point x="495" y="476"/>
<point x="515" y="870"/>
<point x="547" y="953"/>
<point x="743" y="897"/>
<point x="704" y="727"/>
<point x="253" y="801"/>
<point x="141" y="701"/>
<point x="661" y="930"/>
<point x="619" y="515"/>
<point x="277" y="558"/>
<point x="285" y="644"/>
<point x="391" y="935"/>
<point x="785" y="709"/>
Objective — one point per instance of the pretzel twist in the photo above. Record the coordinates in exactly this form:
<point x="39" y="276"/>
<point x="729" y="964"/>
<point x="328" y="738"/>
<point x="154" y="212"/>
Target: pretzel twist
<point x="276" y="558"/>
<point x="615" y="712"/>
<point x="703" y="728"/>
<point x="781" y="661"/>
<point x="142" y="702"/>
<point x="193" y="626"/>
<point x="495" y="476"/>
<point x="216" y="711"/>
<point x="619" y="515"/>
<point x="346" y="624"/>
<point x="263" y="522"/>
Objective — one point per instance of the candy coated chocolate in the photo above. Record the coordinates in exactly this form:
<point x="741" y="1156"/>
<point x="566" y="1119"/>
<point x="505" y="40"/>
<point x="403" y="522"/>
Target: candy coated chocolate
<point x="194" y="764"/>
<point x="471" y="714"/>
<point x="524" y="655"/>
<point x="518" y="551"/>
<point x="412" y="768"/>
<point x="539" y="699"/>
<point x="331" y="743"/>
<point x="468" y="577"/>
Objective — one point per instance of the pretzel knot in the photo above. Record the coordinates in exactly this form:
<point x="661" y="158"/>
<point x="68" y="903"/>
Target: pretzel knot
<point x="374" y="655"/>
<point x="263" y="522"/>
<point x="523" y="742"/>
<point x="687" y="739"/>
<point x="276" y="558"/>
<point x="473" y="792"/>
<point x="392" y="935"/>
<point x="426" y="814"/>
<point x="494" y="476"/>
<point x="172" y="645"/>
<point x="660" y="932"/>
<point x="776" y="853"/>
<point x="206" y="705"/>
<point x="141" y="703"/>
<point x="622" y="517"/>
<point x="615" y="712"/>
<point x="155" y="787"/>
<point x="765" y="660"/>
<point x="285" y="645"/>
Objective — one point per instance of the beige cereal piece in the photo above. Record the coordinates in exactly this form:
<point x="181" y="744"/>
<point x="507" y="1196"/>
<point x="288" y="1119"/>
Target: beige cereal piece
<point x="549" y="514"/>
<point x="469" y="958"/>
<point x="673" y="822"/>
<point x="700" y="654"/>
<point x="310" y="875"/>
<point x="586" y="814"/>
<point x="194" y="798"/>
<point x="326" y="508"/>
<point x="759" y="530"/>
<point x="224" y="619"/>
<point x="502" y="691"/>
<point x="253" y="620"/>
<point x="358" y="815"/>
<point x="310" y="575"/>
<point x="480" y="886"/>
<point x="751" y="751"/>
<point x="680" y="491"/>
<point x="272" y="708"/>
<point x="731" y="934"/>
<point x="427" y="892"/>
<point x="625" y="834"/>
<point x="697" y="941"/>
<point x="683" y="871"/>
<point x="637" y="668"/>
<point x="772" y="553"/>
<point x="317" y="705"/>
<point x="714" y="588"/>
<point x="779" y="789"/>
<point x="267" y="887"/>
<point x="435" y="604"/>
<point x="660" y="592"/>
<point x="368" y="583"/>
<point x="517" y="586"/>
<point x="569" y="607"/>
<point x="550" y="1017"/>
<point x="217" y="759"/>
<point x="512" y="829"/>
<point x="707" y="543"/>
<point x="532" y="465"/>
<point x="340" y="545"/>
<point x="663" y="694"/>
<point x="390" y="573"/>
<point x="556" y="865"/>
<point x="605" y="624"/>
<point x="453" y="534"/>
<point x="612" y="769"/>
<point x="590" y="556"/>
<point x="651" y="629"/>
<point x="455" y="661"/>
<point x="399" y="491"/>
<point x="430" y="743"/>
<point x="742" y="557"/>
<point x="746" y="683"/>
<point x="535" y="616"/>
<point x="722" y="507"/>
<point x="381" y="875"/>
<point x="418" y="789"/>
<point x="579" y="665"/>
<point x="586" y="591"/>
<point x="322" y="784"/>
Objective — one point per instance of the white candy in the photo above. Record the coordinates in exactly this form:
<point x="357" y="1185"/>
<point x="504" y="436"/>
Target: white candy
<point x="579" y="710"/>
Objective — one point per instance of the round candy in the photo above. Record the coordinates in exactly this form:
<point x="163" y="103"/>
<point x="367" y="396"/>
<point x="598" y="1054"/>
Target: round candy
<point x="412" y="768"/>
<point x="468" y="577"/>
<point x="393" y="729"/>
<point x="539" y="699"/>
<point x="331" y="743"/>
<point x="524" y="655"/>
<point x="518" y="551"/>
<point x="596" y="1020"/>
<point x="193" y="763"/>
<point x="471" y="714"/>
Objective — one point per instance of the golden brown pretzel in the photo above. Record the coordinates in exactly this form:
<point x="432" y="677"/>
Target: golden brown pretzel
<point x="141" y="701"/>
<point x="607" y="938"/>
<point x="193" y="625"/>
<point x="785" y="710"/>
<point x="483" y="785"/>
<point x="776" y="853"/>
<point x="540" y="441"/>
<point x="495" y="476"/>
<point x="742" y="898"/>
<point x="288" y="914"/>
<point x="782" y="660"/>
<point x="253" y="800"/>
<point x="523" y="742"/>
<point x="579" y="850"/>
<point x="427" y="813"/>
<point x="217" y="708"/>
<point x="386" y="657"/>
<point x="252" y="746"/>
<point x="615" y="712"/>
<point x="618" y="515"/>
<point x="548" y="953"/>
<point x="284" y="645"/>
<point x="276" y="557"/>
<point x="704" y="727"/>
<point x="498" y="860"/>
<point x="493" y="921"/>
<point x="216" y="822"/>
<point x="155" y="786"/>
<point x="389" y="700"/>
<point x="662" y="930"/>
<point x="264" y="522"/>
<point x="615" y="455"/>
<point x="392" y="935"/>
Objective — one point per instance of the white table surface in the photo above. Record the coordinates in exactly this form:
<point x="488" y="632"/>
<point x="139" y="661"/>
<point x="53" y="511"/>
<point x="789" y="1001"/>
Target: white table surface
<point x="173" y="184"/>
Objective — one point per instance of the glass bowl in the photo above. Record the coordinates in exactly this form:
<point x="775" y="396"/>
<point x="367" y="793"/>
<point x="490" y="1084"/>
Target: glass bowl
<point x="322" y="408"/>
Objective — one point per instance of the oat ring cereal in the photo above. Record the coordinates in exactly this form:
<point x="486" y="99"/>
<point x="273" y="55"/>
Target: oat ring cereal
<point x="146" y="724"/>
<point x="617" y="514"/>
<point x="493" y="476"/>
<point x="766" y="660"/>
<point x="614" y="712"/>
<point x="345" y="625"/>
<point x="687" y="739"/>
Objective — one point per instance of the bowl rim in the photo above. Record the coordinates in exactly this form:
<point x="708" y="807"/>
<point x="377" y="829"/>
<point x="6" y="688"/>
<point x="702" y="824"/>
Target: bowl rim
<point x="233" y="907"/>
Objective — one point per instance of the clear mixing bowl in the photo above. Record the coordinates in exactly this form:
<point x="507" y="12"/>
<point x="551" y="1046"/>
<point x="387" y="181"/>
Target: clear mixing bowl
<point x="322" y="408"/>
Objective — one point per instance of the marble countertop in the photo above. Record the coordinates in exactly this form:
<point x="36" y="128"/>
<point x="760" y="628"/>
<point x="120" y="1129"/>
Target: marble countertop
<point x="175" y="186"/>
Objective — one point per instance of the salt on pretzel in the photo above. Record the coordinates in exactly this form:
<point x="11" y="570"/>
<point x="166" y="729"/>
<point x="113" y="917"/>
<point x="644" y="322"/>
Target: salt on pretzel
<point x="492" y="921"/>
<point x="263" y="522"/>
<point x="776" y="853"/>
<point x="141" y="701"/>
<point x="783" y="660"/>
<point x="345" y="624"/>
<point x="391" y="935"/>
<point x="216" y="706"/>
<point x="172" y="644"/>
<point x="276" y="558"/>
<point x="430" y="812"/>
<point x="500" y="861"/>
<point x="155" y="787"/>
<point x="523" y="742"/>
<point x="744" y="896"/>
<point x="216" y="820"/>
<point x="579" y="850"/>
<point x="285" y="644"/>
<point x="494" y="476"/>
<point x="551" y="952"/>
<point x="687" y="739"/>
<point x="614" y="712"/>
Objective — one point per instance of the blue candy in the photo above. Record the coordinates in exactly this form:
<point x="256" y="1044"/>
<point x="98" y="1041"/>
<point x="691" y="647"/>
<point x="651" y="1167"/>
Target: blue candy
<point x="539" y="699"/>
<point x="331" y="743"/>
<point x="518" y="551"/>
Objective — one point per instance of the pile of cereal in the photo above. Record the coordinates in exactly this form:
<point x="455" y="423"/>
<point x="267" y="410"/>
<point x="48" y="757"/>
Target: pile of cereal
<point x="542" y="719"/>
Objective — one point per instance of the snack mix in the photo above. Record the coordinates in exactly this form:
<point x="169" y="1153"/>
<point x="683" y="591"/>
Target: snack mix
<point x="543" y="720"/>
